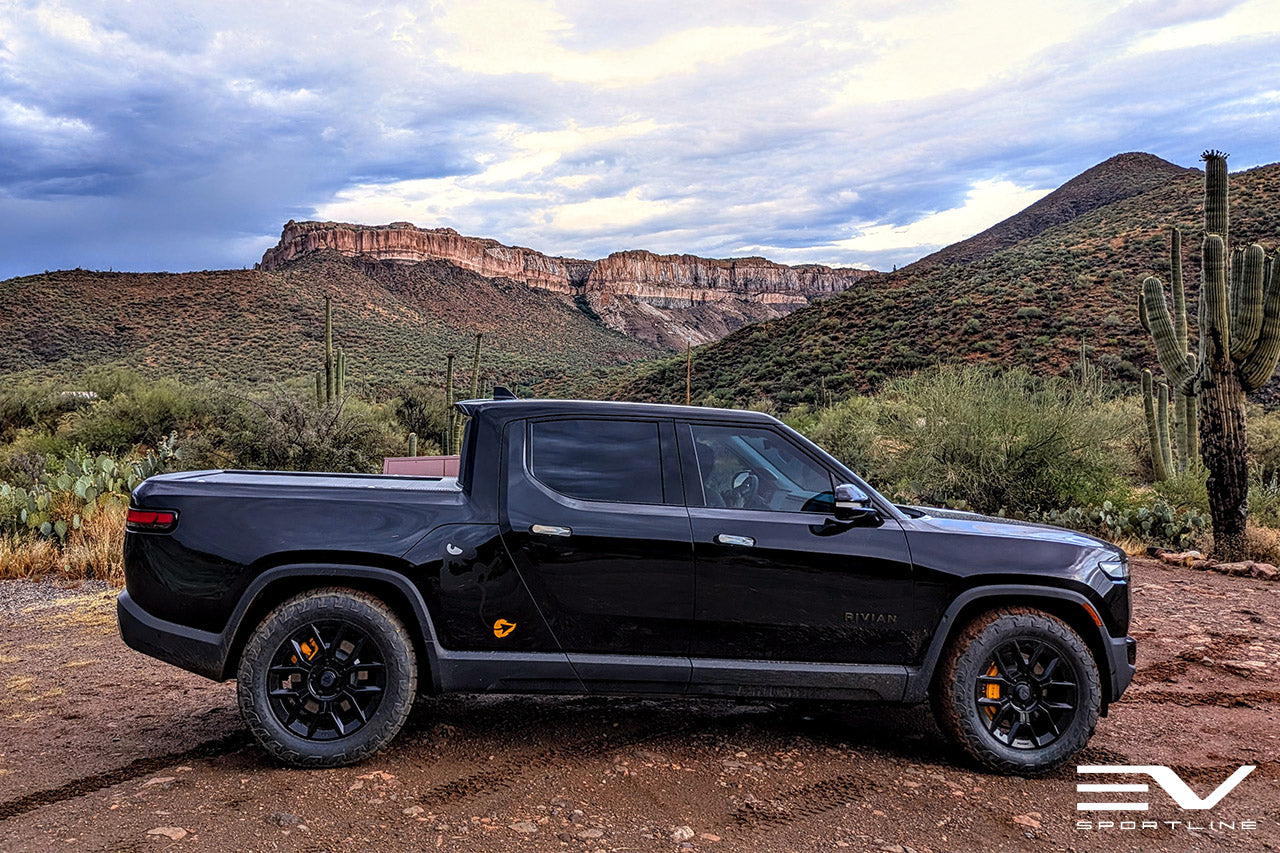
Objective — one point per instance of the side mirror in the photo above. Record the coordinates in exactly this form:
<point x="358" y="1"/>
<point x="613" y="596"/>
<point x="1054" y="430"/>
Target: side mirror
<point x="853" y="504"/>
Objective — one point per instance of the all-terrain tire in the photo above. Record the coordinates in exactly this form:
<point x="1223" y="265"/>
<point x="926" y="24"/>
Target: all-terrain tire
<point x="393" y="646"/>
<point x="966" y="660"/>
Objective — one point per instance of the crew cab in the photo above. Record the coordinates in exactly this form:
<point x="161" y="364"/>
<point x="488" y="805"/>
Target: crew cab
<point x="620" y="548"/>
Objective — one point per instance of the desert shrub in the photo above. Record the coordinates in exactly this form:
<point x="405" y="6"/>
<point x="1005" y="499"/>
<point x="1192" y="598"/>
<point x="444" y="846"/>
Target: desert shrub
<point x="1264" y="442"/>
<point x="1186" y="490"/>
<point x="96" y="549"/>
<point x="420" y="408"/>
<point x="24" y="557"/>
<point x="109" y="381"/>
<point x="285" y="431"/>
<point x="1262" y="544"/>
<point x="1133" y="453"/>
<point x="850" y="431"/>
<point x="139" y="415"/>
<point x="28" y="457"/>
<point x="35" y="407"/>
<point x="1006" y="440"/>
<point x="1264" y="500"/>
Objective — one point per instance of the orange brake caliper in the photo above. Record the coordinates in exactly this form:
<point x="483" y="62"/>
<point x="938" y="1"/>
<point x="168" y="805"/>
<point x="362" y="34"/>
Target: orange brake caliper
<point x="992" y="691"/>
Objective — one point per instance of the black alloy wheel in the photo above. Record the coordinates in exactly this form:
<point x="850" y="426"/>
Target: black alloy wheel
<point x="1018" y="690"/>
<point x="1027" y="693"/>
<point x="327" y="680"/>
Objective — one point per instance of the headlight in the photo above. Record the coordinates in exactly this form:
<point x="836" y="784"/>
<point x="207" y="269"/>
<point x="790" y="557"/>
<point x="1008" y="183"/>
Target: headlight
<point x="1117" y="570"/>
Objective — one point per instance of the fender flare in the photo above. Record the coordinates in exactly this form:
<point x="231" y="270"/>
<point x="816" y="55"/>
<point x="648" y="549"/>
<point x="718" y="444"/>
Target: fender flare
<point x="918" y="681"/>
<point x="337" y="572"/>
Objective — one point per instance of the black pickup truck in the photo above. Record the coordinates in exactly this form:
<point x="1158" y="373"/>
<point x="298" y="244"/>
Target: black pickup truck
<point x="618" y="548"/>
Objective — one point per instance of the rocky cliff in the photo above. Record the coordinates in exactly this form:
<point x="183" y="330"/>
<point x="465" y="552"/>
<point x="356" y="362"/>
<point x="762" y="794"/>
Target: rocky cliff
<point x="665" y="300"/>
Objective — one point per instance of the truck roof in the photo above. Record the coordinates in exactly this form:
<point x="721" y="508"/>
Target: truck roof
<point x="513" y="409"/>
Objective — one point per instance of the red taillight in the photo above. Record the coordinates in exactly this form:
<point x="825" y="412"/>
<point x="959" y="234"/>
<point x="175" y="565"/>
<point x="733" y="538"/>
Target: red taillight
<point x="151" y="520"/>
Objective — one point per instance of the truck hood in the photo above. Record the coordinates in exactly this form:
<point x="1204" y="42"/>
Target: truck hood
<point x="954" y="521"/>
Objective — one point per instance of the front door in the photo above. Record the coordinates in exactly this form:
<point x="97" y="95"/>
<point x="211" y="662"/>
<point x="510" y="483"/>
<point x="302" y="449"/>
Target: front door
<point x="778" y="578"/>
<point x="595" y="521"/>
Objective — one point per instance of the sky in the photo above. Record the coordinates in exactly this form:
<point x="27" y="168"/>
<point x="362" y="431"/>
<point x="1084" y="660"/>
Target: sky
<point x="140" y="135"/>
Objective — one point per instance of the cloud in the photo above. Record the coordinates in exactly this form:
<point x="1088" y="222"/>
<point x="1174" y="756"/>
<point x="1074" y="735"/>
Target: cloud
<point x="987" y="202"/>
<point x="524" y="37"/>
<point x="182" y="134"/>
<point x="1246" y="21"/>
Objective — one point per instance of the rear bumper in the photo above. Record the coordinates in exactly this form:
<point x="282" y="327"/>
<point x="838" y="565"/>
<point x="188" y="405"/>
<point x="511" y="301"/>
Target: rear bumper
<point x="1122" y="661"/>
<point x="201" y="652"/>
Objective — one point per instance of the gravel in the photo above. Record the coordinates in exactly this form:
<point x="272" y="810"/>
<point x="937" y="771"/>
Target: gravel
<point x="17" y="596"/>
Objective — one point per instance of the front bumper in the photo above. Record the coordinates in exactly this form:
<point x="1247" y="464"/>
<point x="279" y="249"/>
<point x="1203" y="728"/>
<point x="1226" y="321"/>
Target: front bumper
<point x="1122" y="657"/>
<point x="201" y="652"/>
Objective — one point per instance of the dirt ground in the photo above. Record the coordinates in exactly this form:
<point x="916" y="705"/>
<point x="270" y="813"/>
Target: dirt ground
<point x="105" y="749"/>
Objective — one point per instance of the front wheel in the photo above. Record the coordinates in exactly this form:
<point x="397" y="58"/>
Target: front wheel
<point x="328" y="678"/>
<point x="1019" y="690"/>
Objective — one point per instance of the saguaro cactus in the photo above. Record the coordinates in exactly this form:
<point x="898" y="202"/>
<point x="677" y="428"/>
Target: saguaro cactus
<point x="329" y="386"/>
<point x="448" y="405"/>
<point x="1185" y="439"/>
<point x="475" y="370"/>
<point x="332" y="381"/>
<point x="1239" y="345"/>
<point x="1156" y="407"/>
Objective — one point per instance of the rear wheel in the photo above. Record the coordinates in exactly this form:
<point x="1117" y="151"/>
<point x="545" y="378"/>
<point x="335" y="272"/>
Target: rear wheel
<point x="1019" y="690"/>
<point x="328" y="678"/>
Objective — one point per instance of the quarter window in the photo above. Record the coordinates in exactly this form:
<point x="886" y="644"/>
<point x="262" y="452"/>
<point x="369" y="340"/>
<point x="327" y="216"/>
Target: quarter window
<point x="598" y="460"/>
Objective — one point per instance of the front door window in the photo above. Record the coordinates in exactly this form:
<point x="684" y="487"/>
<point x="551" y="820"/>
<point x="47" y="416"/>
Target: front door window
<point x="748" y="468"/>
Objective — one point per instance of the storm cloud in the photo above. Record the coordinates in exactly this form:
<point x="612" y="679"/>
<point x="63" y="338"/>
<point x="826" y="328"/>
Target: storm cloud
<point x="181" y="136"/>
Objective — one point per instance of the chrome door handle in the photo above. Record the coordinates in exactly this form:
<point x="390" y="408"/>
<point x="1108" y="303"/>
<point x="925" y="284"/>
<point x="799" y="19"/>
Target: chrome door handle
<point x="550" y="530"/>
<point x="743" y="541"/>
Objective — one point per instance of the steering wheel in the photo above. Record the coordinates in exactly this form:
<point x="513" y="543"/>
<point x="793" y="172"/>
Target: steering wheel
<point x="746" y="486"/>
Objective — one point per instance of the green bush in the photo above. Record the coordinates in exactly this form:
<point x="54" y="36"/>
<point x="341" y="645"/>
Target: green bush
<point x="287" y="431"/>
<point x="1264" y="443"/>
<point x="420" y="408"/>
<point x="38" y="406"/>
<point x="1187" y="490"/>
<point x="850" y="431"/>
<point x="139" y="415"/>
<point x="1264" y="500"/>
<point x="1001" y="440"/>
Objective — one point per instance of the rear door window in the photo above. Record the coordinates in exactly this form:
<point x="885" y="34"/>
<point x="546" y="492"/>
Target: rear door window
<point x="598" y="460"/>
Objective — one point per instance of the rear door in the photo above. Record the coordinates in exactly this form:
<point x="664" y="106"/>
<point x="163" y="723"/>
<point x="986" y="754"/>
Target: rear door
<point x="594" y="519"/>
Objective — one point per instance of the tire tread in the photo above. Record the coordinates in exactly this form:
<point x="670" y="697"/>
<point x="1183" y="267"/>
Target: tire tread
<point x="255" y="713"/>
<point x="949" y="699"/>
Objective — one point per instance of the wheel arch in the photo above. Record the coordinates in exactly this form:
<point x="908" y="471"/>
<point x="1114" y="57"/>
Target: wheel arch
<point x="280" y="583"/>
<point x="1069" y="606"/>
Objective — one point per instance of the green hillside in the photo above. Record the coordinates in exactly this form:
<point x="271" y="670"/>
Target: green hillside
<point x="1000" y="296"/>
<point x="395" y="321"/>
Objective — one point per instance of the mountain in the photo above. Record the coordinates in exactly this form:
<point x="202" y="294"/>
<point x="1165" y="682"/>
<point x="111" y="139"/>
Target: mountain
<point x="1115" y="179"/>
<point x="666" y="301"/>
<point x="395" y="322"/>
<point x="403" y="298"/>
<point x="1027" y="291"/>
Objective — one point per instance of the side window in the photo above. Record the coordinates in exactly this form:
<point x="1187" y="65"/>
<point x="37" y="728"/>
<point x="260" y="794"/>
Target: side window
<point x="752" y="468"/>
<point x="598" y="460"/>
